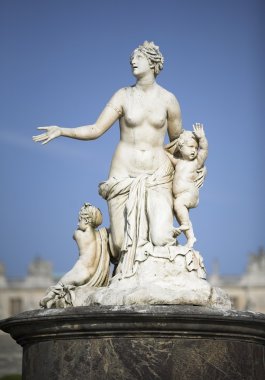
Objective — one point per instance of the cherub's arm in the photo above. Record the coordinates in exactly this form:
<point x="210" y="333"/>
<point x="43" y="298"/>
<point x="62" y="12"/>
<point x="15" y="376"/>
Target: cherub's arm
<point x="171" y="147"/>
<point x="111" y="113"/>
<point x="203" y="143"/>
<point x="173" y="159"/>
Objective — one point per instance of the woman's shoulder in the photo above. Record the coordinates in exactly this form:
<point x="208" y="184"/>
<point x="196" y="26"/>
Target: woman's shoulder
<point x="122" y="92"/>
<point x="166" y="93"/>
<point x="168" y="96"/>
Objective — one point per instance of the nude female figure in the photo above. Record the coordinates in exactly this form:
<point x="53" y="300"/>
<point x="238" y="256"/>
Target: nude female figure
<point x="146" y="111"/>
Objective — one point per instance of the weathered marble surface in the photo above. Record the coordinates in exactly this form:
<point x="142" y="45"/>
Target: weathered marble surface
<point x="148" y="342"/>
<point x="148" y="184"/>
<point x="145" y="358"/>
<point x="10" y="356"/>
<point x="157" y="281"/>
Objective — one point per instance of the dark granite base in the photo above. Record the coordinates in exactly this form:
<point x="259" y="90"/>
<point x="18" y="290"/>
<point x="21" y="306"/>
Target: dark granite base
<point x="148" y="342"/>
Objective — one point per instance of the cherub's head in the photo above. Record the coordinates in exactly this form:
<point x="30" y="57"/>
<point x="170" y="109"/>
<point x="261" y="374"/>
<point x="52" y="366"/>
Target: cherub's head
<point x="89" y="215"/>
<point x="187" y="145"/>
<point x="148" y="50"/>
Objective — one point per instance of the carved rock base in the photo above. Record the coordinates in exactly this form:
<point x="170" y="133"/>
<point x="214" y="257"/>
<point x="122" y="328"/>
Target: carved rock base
<point x="143" y="342"/>
<point x="157" y="281"/>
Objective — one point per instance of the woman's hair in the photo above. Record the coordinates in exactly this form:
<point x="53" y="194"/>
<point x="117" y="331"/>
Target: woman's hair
<point x="152" y="53"/>
<point x="92" y="213"/>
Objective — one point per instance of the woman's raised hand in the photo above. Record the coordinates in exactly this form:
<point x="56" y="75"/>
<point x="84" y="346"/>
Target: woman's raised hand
<point x="50" y="134"/>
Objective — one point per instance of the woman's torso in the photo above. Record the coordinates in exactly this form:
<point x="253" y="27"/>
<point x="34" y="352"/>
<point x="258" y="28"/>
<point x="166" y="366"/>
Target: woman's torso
<point x="142" y="128"/>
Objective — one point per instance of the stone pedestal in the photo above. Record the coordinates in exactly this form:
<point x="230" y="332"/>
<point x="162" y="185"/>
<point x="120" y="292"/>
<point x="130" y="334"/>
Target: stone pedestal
<point x="143" y="342"/>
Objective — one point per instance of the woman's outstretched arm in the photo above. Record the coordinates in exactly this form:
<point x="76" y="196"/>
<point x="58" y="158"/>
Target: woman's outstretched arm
<point x="111" y="113"/>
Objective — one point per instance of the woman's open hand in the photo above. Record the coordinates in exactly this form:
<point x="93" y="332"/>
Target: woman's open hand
<point x="50" y="134"/>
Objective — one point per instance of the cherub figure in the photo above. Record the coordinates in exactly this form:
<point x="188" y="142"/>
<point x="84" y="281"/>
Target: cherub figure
<point x="188" y="158"/>
<point x="92" y="267"/>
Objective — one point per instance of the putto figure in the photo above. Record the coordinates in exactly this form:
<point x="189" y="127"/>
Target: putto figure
<point x="92" y="267"/>
<point x="189" y="156"/>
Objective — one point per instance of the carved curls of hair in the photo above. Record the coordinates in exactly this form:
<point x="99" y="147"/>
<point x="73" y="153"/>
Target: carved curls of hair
<point x="184" y="137"/>
<point x="92" y="213"/>
<point x="153" y="54"/>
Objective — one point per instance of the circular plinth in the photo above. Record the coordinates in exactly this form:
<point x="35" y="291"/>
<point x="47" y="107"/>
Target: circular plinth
<point x="143" y="342"/>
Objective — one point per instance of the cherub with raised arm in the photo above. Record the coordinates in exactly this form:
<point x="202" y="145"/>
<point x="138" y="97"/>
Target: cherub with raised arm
<point x="189" y="156"/>
<point x="92" y="266"/>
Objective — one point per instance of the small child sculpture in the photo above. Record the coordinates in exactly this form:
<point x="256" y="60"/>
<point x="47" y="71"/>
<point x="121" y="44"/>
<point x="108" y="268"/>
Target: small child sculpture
<point x="92" y="267"/>
<point x="189" y="157"/>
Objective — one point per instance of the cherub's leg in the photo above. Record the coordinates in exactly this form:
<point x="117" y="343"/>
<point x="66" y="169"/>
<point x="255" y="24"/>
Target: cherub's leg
<point x="48" y="297"/>
<point x="80" y="274"/>
<point x="185" y="226"/>
<point x="182" y="214"/>
<point x="191" y="239"/>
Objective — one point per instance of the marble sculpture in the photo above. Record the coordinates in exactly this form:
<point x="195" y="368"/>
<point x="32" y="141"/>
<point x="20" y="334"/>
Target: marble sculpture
<point x="148" y="184"/>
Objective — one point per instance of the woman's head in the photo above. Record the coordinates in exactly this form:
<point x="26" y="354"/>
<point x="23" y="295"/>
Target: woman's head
<point x="153" y="55"/>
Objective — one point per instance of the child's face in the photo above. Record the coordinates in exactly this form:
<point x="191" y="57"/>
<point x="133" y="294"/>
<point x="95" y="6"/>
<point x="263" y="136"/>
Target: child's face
<point x="189" y="150"/>
<point x="82" y="225"/>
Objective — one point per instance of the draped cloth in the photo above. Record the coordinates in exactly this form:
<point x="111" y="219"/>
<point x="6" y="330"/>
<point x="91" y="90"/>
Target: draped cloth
<point x="101" y="275"/>
<point x="133" y="199"/>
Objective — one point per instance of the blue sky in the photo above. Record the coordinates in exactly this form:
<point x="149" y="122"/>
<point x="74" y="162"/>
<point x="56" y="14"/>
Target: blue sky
<point x="62" y="60"/>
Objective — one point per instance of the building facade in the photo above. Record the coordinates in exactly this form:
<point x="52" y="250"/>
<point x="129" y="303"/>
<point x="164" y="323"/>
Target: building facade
<point x="247" y="291"/>
<point x="18" y="295"/>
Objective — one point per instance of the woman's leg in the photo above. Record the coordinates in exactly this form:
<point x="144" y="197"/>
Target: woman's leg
<point x="117" y="224"/>
<point x="160" y="216"/>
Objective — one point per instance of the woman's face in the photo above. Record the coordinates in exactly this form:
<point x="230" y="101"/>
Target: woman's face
<point x="140" y="64"/>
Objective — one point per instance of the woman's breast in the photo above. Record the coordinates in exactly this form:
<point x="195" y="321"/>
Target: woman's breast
<point x="151" y="117"/>
<point x="143" y="110"/>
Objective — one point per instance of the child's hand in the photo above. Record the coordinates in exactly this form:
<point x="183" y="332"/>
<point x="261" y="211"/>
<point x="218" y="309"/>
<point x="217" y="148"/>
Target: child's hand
<point x="198" y="130"/>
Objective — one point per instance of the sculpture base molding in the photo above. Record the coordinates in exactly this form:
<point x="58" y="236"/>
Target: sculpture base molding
<point x="140" y="342"/>
<point x="176" y="280"/>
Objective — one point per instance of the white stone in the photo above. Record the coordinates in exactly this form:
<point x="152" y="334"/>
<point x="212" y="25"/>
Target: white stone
<point x="151" y="268"/>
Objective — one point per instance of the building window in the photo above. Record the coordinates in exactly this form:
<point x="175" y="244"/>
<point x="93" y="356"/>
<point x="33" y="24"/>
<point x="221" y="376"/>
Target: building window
<point x="235" y="302"/>
<point x="15" y="306"/>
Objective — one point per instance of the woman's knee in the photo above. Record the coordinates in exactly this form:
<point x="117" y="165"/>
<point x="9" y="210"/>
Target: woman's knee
<point x="162" y="236"/>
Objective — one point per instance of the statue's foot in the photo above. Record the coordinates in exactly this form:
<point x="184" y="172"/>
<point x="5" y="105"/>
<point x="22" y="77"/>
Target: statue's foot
<point x="180" y="229"/>
<point x="176" y="232"/>
<point x="46" y="299"/>
<point x="190" y="242"/>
